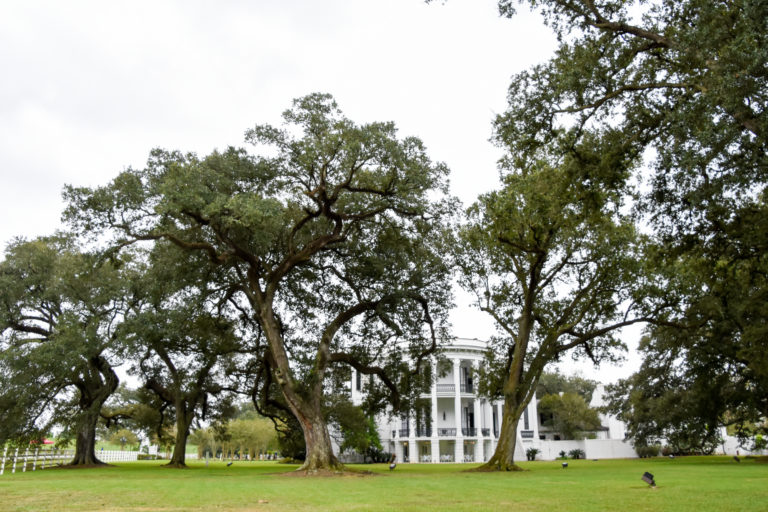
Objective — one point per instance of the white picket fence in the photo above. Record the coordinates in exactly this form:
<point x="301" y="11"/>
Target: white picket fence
<point x="32" y="459"/>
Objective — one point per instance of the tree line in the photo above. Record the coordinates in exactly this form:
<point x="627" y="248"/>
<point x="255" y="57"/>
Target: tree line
<point x="633" y="192"/>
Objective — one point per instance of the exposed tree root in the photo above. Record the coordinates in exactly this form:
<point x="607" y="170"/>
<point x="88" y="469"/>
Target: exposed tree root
<point x="175" y="465"/>
<point x="346" y="472"/>
<point x="490" y="467"/>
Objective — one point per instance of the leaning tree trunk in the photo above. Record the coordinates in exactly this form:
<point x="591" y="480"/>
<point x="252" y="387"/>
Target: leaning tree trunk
<point x="503" y="459"/>
<point x="306" y="407"/>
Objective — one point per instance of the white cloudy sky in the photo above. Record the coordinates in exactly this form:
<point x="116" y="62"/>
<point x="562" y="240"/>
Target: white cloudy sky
<point x="89" y="87"/>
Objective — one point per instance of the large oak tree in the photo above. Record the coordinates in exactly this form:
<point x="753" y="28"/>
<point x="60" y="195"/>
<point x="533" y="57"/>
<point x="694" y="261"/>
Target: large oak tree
<point x="331" y="239"/>
<point x="60" y="310"/>
<point x="687" y="82"/>
<point x="556" y="262"/>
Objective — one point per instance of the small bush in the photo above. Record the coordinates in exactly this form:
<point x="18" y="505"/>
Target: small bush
<point x="562" y="455"/>
<point x="760" y="443"/>
<point x="531" y="453"/>
<point x="577" y="453"/>
<point x="146" y="456"/>
<point x="645" y="452"/>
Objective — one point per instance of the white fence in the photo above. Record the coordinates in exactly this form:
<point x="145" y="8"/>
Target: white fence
<point x="32" y="459"/>
<point x="593" y="448"/>
<point x="116" y="456"/>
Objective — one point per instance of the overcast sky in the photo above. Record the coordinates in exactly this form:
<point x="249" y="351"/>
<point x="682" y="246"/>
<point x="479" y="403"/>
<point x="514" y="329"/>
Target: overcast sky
<point x="88" y="88"/>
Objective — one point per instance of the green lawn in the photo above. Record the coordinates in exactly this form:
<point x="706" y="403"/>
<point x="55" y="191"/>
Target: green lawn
<point x="690" y="483"/>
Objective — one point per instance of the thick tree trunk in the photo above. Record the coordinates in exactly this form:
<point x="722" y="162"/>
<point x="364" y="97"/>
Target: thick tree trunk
<point x="95" y="388"/>
<point x="503" y="459"/>
<point x="319" y="455"/>
<point x="183" y="421"/>
<point x="85" y="443"/>
<point x="319" y="449"/>
<point x="306" y="406"/>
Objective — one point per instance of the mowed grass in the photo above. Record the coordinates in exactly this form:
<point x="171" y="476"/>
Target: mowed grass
<point x="687" y="483"/>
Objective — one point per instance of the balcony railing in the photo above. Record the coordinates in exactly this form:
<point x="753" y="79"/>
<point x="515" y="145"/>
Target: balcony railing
<point x="469" y="432"/>
<point x="526" y="434"/>
<point x="486" y="432"/>
<point x="464" y="387"/>
<point x="424" y="432"/>
<point x="403" y="432"/>
<point x="446" y="432"/>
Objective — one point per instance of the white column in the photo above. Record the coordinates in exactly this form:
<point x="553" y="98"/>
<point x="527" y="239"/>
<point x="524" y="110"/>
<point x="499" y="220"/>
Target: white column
<point x="499" y="414"/>
<point x="435" y="440"/>
<point x="478" y="420"/>
<point x="459" y="449"/>
<point x="489" y="425"/>
<point x="399" y="451"/>
<point x="413" y="454"/>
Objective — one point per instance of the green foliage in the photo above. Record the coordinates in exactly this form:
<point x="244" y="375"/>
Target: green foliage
<point x="331" y="246"/>
<point x="557" y="264"/>
<point x="248" y="435"/>
<point x="646" y="451"/>
<point x="123" y="437"/>
<point x="685" y="78"/>
<point x="656" y="406"/>
<point x="556" y="383"/>
<point x="680" y="86"/>
<point x="290" y="440"/>
<point x="760" y="443"/>
<point x="577" y="453"/>
<point x="531" y="453"/>
<point x="357" y="431"/>
<point x="60" y="309"/>
<point x="569" y="415"/>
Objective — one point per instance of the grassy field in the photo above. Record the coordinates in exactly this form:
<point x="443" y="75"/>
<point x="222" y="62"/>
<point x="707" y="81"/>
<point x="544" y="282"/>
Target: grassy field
<point x="690" y="483"/>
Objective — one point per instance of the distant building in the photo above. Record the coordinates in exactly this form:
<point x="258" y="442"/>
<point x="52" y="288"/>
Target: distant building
<point x="460" y="426"/>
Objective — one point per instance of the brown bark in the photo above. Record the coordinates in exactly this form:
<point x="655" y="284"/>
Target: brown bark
<point x="99" y="382"/>
<point x="85" y="443"/>
<point x="503" y="459"/>
<point x="306" y="409"/>
<point x="320" y="455"/>
<point x="183" y="421"/>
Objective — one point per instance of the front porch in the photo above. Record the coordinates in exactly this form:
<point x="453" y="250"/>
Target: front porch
<point x="435" y="451"/>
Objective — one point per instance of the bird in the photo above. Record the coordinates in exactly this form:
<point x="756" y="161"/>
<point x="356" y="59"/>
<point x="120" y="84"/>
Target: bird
<point x="229" y="464"/>
<point x="392" y="463"/>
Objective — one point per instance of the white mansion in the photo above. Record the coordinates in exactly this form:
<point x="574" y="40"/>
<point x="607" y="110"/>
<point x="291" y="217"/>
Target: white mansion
<point x="465" y="427"/>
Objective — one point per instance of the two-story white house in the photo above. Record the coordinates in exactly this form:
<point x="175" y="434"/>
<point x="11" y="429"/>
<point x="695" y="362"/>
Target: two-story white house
<point x="459" y="426"/>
